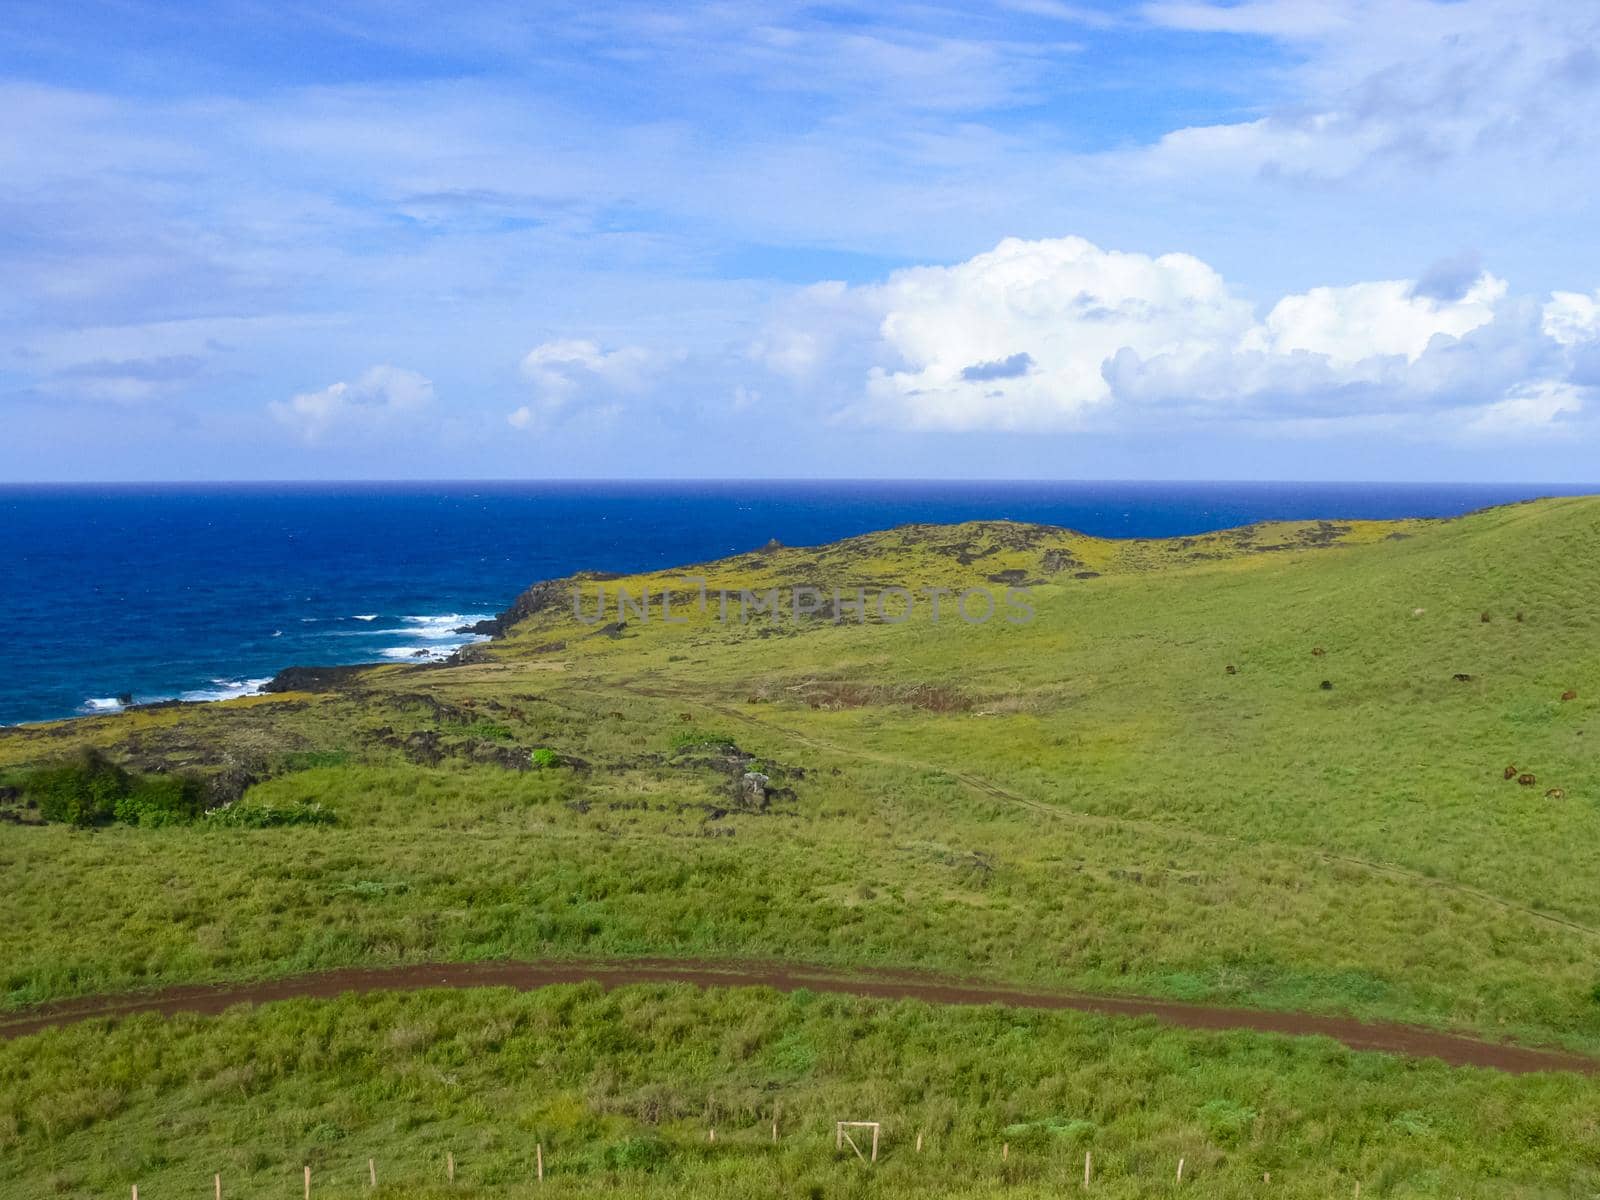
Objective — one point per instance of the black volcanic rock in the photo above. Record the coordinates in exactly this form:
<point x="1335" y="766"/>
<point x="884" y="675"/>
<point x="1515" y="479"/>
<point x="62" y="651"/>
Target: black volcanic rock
<point x="544" y="595"/>
<point x="314" y="679"/>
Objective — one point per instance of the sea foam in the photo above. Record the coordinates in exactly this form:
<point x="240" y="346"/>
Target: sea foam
<point x="226" y="689"/>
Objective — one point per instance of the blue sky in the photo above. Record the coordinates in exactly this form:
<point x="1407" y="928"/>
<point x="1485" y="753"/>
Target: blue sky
<point x="1178" y="239"/>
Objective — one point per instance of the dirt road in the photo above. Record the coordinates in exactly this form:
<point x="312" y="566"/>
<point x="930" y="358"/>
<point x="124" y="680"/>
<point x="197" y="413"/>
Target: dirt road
<point x="1404" y="1040"/>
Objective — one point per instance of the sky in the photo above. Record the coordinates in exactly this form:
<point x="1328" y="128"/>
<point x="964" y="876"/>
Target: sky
<point x="1078" y="239"/>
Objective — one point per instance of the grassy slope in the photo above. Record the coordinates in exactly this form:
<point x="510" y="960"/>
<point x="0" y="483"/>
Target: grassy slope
<point x="1164" y="827"/>
<point x="1088" y="800"/>
<point x="620" y="1090"/>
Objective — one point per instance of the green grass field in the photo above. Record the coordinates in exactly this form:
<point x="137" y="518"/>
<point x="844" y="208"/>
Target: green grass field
<point x="1091" y="800"/>
<point x="621" y="1091"/>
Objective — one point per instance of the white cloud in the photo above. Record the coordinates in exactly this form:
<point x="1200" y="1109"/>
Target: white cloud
<point x="1060" y="334"/>
<point x="1349" y="324"/>
<point x="1485" y="85"/>
<point x="1529" y="408"/>
<point x="381" y="397"/>
<point x="570" y="373"/>
<point x="1065" y="304"/>
<point x="1572" y="318"/>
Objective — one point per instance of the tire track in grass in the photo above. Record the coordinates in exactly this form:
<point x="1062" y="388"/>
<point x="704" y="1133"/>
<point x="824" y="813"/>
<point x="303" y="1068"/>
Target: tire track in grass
<point x="1405" y="1040"/>
<point x="989" y="788"/>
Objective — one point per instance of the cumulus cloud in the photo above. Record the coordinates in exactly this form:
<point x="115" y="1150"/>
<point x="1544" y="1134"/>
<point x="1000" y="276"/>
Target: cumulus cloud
<point x="1061" y="334"/>
<point x="1060" y="307"/>
<point x="1572" y="318"/>
<point x="381" y="397"/>
<point x="568" y="373"/>
<point x="1539" y="406"/>
<point x="1347" y="325"/>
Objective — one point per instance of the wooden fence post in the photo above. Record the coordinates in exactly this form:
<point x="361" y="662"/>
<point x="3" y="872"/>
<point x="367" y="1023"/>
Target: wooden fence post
<point x="450" y="1165"/>
<point x="372" y="1173"/>
<point x="919" y="1141"/>
<point x="1180" y="1170"/>
<point x="538" y="1158"/>
<point x="1088" y="1166"/>
<point x="1005" y="1151"/>
<point x="218" y="1182"/>
<point x="308" y="1181"/>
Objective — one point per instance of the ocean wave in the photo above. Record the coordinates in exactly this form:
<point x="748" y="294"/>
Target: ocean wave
<point x="421" y="653"/>
<point x="365" y="617"/>
<point x="226" y="689"/>
<point x="441" y="625"/>
<point x="101" y="704"/>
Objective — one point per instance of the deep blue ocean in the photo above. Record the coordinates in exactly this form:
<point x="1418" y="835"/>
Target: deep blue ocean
<point x="204" y="591"/>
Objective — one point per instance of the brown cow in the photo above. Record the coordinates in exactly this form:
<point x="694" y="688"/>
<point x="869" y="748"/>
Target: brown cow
<point x="1462" y="677"/>
<point x="1317" y="652"/>
<point x="1327" y="685"/>
<point x="1526" y="779"/>
<point x="1555" y="794"/>
<point x="1569" y="694"/>
<point x="1511" y="772"/>
<point x="1484" y="617"/>
<point x="1232" y="670"/>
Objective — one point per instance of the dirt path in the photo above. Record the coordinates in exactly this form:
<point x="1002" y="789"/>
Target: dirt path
<point x="1409" y="1041"/>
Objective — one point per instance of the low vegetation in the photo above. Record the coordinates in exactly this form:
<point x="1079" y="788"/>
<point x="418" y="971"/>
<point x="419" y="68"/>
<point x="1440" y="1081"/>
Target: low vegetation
<point x="621" y="1091"/>
<point x="1144" y="790"/>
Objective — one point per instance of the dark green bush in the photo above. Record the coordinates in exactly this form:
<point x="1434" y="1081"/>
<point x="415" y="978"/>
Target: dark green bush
<point x="93" y="790"/>
<point x="545" y="757"/>
<point x="156" y="800"/>
<point x="82" y="792"/>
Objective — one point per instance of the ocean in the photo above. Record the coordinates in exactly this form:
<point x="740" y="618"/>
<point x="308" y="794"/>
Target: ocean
<point x="203" y="592"/>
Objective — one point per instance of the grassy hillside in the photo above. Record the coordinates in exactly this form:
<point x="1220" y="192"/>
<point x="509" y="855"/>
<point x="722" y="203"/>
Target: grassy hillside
<point x="1091" y="799"/>
<point x="621" y="1090"/>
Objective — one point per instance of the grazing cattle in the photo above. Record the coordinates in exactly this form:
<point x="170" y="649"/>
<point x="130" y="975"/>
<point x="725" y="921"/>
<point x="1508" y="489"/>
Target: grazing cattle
<point x="1519" y="616"/>
<point x="1462" y="677"/>
<point x="685" y="716"/>
<point x="1232" y="670"/>
<point x="615" y="715"/>
<point x="1527" y="779"/>
<point x="1555" y="794"/>
<point x="1417" y="612"/>
<point x="1317" y="652"/>
<point x="1569" y="694"/>
<point x="1511" y="772"/>
<point x="1327" y="685"/>
<point x="1484" y="617"/>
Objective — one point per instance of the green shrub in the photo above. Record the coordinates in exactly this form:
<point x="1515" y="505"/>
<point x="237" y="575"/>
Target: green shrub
<point x="545" y="757"/>
<point x="1226" y="1120"/>
<point x="488" y="729"/>
<point x="93" y="790"/>
<point x="242" y="815"/>
<point x="156" y="800"/>
<point x="639" y="1153"/>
